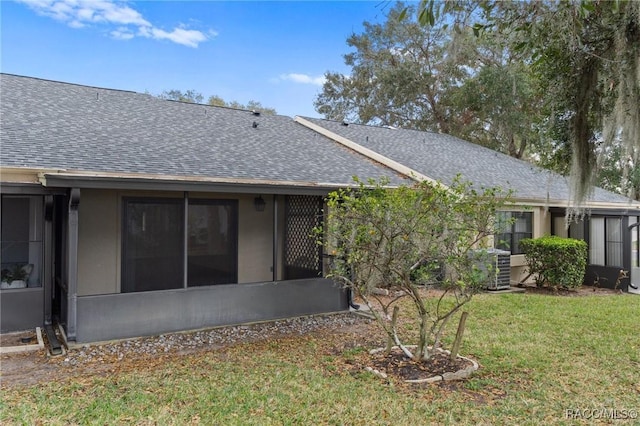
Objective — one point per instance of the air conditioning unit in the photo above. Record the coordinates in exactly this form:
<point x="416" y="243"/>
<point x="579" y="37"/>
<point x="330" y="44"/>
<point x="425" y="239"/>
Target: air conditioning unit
<point x="499" y="277"/>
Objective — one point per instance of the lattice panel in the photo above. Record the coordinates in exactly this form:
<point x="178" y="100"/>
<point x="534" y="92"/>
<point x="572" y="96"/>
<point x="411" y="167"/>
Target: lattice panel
<point x="302" y="254"/>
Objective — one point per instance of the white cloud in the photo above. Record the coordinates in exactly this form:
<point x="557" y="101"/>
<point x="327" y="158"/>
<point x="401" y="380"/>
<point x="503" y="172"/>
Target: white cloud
<point x="303" y="79"/>
<point x="189" y="38"/>
<point x="76" y="24"/>
<point x="122" y="33"/>
<point x="128" y="21"/>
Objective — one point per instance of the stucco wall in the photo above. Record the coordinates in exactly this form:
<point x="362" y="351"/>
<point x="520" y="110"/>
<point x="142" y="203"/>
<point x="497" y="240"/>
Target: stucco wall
<point x="100" y="232"/>
<point x="281" y="228"/>
<point x="255" y="241"/>
<point x="541" y="226"/>
<point x="98" y="242"/>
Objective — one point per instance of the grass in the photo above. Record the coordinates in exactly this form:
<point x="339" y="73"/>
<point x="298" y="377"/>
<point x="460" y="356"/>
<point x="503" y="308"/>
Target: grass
<point x="539" y="355"/>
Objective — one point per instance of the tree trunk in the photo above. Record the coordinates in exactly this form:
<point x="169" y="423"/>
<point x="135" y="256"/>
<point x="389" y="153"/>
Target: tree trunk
<point x="459" y="333"/>
<point x="394" y="319"/>
<point x="423" y="350"/>
<point x="515" y="150"/>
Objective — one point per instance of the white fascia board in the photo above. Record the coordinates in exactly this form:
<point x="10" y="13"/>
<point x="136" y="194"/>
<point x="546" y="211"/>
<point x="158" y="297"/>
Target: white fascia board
<point x="372" y="155"/>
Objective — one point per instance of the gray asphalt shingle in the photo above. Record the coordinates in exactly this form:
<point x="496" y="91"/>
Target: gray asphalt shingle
<point x="47" y="124"/>
<point x="442" y="157"/>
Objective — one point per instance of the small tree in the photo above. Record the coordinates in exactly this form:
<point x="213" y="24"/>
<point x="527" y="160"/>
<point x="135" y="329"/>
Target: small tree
<point x="406" y="237"/>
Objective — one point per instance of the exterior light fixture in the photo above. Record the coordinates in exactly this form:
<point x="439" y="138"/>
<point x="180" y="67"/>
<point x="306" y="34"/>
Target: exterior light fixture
<point x="259" y="203"/>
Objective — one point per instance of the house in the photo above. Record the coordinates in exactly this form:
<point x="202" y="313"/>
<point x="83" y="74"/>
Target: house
<point x="610" y="225"/>
<point x="125" y="215"/>
<point x="139" y="216"/>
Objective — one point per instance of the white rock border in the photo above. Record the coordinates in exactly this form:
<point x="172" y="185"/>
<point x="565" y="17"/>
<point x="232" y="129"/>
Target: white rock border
<point x="457" y="375"/>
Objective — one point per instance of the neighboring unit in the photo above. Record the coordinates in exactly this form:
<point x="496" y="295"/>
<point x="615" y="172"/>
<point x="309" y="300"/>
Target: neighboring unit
<point x="540" y="196"/>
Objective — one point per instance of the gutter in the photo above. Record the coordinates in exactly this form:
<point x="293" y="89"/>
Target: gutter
<point x="630" y="206"/>
<point x="130" y="181"/>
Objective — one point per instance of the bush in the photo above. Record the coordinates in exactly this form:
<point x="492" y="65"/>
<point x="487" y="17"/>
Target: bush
<point x="401" y="238"/>
<point x="556" y="262"/>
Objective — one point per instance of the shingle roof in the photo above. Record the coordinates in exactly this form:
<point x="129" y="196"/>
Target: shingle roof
<point x="47" y="124"/>
<point x="441" y="157"/>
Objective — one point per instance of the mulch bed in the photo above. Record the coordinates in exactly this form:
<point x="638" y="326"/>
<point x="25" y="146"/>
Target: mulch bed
<point x="397" y="365"/>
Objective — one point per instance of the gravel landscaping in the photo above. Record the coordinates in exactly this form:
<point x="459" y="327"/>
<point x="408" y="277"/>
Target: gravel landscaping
<point x="32" y="368"/>
<point x="187" y="342"/>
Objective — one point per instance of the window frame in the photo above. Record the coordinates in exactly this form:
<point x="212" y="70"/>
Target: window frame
<point x="184" y="202"/>
<point x="35" y="241"/>
<point x="605" y="240"/>
<point x="508" y="244"/>
<point x="609" y="252"/>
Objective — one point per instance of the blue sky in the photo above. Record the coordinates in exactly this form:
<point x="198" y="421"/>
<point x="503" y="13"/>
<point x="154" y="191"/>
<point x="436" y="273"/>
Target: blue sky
<point x="272" y="52"/>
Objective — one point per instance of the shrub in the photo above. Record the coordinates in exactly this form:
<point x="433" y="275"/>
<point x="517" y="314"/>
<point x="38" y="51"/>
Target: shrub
<point x="556" y="262"/>
<point x="400" y="238"/>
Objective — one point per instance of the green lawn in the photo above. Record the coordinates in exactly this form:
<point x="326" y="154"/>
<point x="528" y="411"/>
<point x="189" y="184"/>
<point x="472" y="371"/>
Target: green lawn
<point x="539" y="355"/>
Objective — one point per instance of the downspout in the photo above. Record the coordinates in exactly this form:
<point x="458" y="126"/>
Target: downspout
<point x="350" y="298"/>
<point x="72" y="264"/>
<point x="275" y="238"/>
<point x="330" y="258"/>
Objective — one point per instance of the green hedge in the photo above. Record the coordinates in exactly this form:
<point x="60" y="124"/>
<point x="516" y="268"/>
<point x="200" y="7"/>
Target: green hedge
<point x="556" y="262"/>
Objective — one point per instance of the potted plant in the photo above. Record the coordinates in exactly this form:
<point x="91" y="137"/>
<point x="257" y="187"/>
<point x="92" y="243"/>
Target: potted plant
<point x="16" y="278"/>
<point x="6" y="278"/>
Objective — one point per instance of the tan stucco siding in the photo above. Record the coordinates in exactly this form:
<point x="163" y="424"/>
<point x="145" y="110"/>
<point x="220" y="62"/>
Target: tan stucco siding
<point x="98" y="242"/>
<point x="541" y="226"/>
<point x="519" y="273"/>
<point x="560" y="227"/>
<point x="255" y="236"/>
<point x="100" y="238"/>
<point x="541" y="222"/>
<point x="255" y="241"/>
<point x="281" y="235"/>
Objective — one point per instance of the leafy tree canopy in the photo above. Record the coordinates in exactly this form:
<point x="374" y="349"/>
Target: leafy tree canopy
<point x="435" y="79"/>
<point x="586" y="56"/>
<point x="191" y="96"/>
<point x="557" y="83"/>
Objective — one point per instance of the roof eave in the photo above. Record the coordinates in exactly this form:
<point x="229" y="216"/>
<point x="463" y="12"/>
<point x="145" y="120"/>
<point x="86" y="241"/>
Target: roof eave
<point x="184" y="183"/>
<point x="587" y="205"/>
